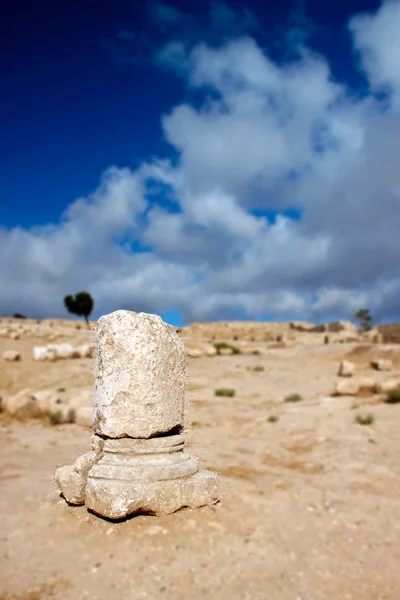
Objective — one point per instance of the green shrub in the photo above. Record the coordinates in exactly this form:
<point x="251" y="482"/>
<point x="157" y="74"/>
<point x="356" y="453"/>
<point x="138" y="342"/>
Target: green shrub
<point x="273" y="419"/>
<point x="225" y="392"/>
<point x="365" y="419"/>
<point x="258" y="368"/>
<point x="393" y="396"/>
<point x="54" y="417"/>
<point x="61" y="389"/>
<point x="293" y="398"/>
<point x="225" y="346"/>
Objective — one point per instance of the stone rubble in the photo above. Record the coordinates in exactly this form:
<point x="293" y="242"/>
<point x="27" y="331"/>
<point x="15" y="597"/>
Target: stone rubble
<point x="54" y="352"/>
<point x="346" y="369"/>
<point x="137" y="463"/>
<point x="382" y="364"/>
<point x="11" y="355"/>
<point x="74" y="406"/>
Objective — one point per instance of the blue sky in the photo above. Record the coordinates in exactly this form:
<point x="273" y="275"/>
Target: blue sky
<point x="83" y="90"/>
<point x="123" y="128"/>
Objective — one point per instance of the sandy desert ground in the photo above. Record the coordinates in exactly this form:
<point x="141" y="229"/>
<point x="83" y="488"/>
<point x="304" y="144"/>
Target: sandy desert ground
<point x="311" y="499"/>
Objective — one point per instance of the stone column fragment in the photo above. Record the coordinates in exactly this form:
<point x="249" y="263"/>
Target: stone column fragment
<point x="139" y="376"/>
<point x="138" y="463"/>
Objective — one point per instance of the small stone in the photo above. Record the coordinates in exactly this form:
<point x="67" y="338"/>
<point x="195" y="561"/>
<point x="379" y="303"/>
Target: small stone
<point x="382" y="364"/>
<point x="346" y="369"/>
<point x="367" y="384"/>
<point x="155" y="530"/>
<point x="11" y="355"/>
<point x="194" y="352"/>
<point x="381" y="387"/>
<point x="84" y="416"/>
<point x="210" y="351"/>
<point x="43" y="353"/>
<point x="85" y="351"/>
<point x="63" y="351"/>
<point x="226" y="351"/>
<point x="216" y="525"/>
<point x="348" y="387"/>
<point x="22" y="405"/>
<point x="81" y="398"/>
<point x="72" y="479"/>
<point x="278" y="484"/>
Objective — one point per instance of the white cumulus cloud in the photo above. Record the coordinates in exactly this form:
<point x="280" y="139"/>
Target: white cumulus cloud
<point x="284" y="198"/>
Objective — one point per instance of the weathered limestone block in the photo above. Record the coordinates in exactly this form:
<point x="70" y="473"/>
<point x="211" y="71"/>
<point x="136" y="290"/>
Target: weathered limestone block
<point x="81" y="398"/>
<point x="346" y="369"/>
<point x="138" y="463"/>
<point x="140" y="376"/>
<point x="382" y="364"/>
<point x="225" y="352"/>
<point x="43" y="353"/>
<point x="22" y="405"/>
<point x="353" y="386"/>
<point x="85" y="351"/>
<point x="194" y="352"/>
<point x="63" y="351"/>
<point x="47" y="400"/>
<point x="382" y="387"/>
<point x="84" y="416"/>
<point x="210" y="350"/>
<point x="11" y="355"/>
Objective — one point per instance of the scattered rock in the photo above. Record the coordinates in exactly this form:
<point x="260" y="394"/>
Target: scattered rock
<point x="346" y="369"/>
<point x="47" y="400"/>
<point x="43" y="353"/>
<point x="85" y="351"/>
<point x="382" y="364"/>
<point x="194" y="352"/>
<point x="22" y="405"/>
<point x="347" y="387"/>
<point x="381" y="387"/>
<point x="366" y="384"/>
<point x="63" y="414"/>
<point x="210" y="351"/>
<point x="225" y="351"/>
<point x="84" y="416"/>
<point x="11" y="355"/>
<point x="62" y="351"/>
<point x="81" y="398"/>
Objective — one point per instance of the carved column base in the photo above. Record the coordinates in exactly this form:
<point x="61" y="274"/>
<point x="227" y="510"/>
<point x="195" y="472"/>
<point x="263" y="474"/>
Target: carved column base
<point x="126" y="476"/>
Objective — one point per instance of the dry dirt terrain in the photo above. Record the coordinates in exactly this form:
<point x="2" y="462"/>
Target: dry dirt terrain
<point x="311" y="499"/>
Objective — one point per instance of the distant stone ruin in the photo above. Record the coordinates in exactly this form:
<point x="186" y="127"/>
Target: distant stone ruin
<point x="137" y="463"/>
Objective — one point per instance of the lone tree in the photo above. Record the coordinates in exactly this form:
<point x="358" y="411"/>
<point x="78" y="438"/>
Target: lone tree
<point x="365" y="319"/>
<point x="81" y="304"/>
